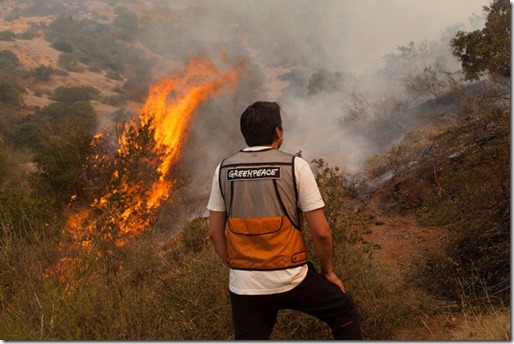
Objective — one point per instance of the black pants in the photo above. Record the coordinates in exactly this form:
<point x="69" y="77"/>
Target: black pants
<point x="255" y="315"/>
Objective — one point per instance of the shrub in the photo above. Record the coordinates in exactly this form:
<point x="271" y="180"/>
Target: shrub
<point x="473" y="198"/>
<point x="69" y="63"/>
<point x="10" y="93"/>
<point x="30" y="33"/>
<point x="8" y="61"/>
<point x="7" y="35"/>
<point x="42" y="73"/>
<point x="63" y="46"/>
<point x="29" y="134"/>
<point x="475" y="267"/>
<point x="70" y="95"/>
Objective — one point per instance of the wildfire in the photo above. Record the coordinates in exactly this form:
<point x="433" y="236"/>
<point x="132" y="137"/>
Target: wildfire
<point x="126" y="208"/>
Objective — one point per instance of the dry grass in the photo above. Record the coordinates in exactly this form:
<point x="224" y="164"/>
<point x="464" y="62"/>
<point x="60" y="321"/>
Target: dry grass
<point x="494" y="324"/>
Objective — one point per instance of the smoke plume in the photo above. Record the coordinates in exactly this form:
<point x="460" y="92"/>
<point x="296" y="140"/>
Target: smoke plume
<point x="334" y="66"/>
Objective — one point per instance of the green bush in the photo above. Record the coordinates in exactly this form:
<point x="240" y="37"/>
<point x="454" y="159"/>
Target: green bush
<point x="30" y="33"/>
<point x="7" y="35"/>
<point x="29" y="134"/>
<point x="8" y="61"/>
<point x="96" y="46"/>
<point x="43" y="73"/>
<point x="70" y="95"/>
<point x="10" y="93"/>
<point x="59" y="136"/>
<point x="63" y="46"/>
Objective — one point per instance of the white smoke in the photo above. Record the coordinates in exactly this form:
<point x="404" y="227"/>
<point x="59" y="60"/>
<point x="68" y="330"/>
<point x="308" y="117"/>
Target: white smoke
<point x="286" y="42"/>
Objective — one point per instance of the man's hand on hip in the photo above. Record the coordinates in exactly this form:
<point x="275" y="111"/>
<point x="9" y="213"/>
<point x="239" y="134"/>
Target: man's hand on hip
<point x="332" y="278"/>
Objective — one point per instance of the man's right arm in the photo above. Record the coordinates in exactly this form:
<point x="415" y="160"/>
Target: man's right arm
<point x="311" y="203"/>
<point x="217" y="221"/>
<point x="217" y="218"/>
<point x="322" y="240"/>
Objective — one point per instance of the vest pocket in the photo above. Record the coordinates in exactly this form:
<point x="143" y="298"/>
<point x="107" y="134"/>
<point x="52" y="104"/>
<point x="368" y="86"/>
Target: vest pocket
<point x="264" y="243"/>
<point x="255" y="226"/>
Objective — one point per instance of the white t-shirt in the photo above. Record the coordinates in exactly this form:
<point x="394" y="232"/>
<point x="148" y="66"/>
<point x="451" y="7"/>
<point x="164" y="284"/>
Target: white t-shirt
<point x="256" y="282"/>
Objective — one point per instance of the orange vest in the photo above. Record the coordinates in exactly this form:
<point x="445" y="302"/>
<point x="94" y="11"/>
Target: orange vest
<point x="263" y="220"/>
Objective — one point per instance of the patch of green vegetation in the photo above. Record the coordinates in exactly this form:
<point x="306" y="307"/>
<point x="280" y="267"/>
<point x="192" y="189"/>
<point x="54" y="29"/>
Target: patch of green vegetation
<point x="70" y="95"/>
<point x="63" y="46"/>
<point x="7" y="35"/>
<point x="475" y="200"/>
<point x="43" y="73"/>
<point x="10" y="93"/>
<point x="30" y="33"/>
<point x="98" y="46"/>
<point x="8" y="61"/>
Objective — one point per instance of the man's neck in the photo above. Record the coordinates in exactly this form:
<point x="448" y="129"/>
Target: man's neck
<point x="259" y="147"/>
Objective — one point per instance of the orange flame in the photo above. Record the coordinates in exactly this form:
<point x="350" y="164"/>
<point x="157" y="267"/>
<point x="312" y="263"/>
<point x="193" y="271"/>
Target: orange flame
<point x="168" y="111"/>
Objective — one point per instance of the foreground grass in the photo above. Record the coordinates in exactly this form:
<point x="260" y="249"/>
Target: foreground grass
<point x="477" y="325"/>
<point x="141" y="292"/>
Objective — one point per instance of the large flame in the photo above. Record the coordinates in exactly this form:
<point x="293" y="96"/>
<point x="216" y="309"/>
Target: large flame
<point x="169" y="108"/>
<point x="167" y="114"/>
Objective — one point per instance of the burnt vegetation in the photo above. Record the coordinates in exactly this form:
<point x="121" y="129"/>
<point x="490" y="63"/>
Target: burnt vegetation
<point x="446" y="159"/>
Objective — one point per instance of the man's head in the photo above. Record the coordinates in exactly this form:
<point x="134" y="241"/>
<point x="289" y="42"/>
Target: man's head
<point x="261" y="124"/>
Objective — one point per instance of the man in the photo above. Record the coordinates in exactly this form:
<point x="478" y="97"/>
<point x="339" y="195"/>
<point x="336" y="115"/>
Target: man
<point x="258" y="198"/>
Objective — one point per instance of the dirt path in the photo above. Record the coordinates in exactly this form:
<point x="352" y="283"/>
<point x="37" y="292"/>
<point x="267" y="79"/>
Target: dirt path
<point x="399" y="240"/>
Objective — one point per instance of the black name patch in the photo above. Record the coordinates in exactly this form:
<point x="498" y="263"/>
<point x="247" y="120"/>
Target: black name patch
<point x="253" y="173"/>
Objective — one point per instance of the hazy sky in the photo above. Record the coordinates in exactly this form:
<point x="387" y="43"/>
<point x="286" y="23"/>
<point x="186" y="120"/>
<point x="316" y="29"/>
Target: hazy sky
<point x="377" y="27"/>
<point x="344" y="35"/>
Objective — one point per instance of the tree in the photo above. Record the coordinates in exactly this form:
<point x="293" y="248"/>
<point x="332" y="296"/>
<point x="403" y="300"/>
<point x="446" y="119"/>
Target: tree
<point x="59" y="136"/>
<point x="59" y="162"/>
<point x="121" y="184"/>
<point x="487" y="50"/>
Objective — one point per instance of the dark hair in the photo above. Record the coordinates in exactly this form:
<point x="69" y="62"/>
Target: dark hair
<point x="259" y="121"/>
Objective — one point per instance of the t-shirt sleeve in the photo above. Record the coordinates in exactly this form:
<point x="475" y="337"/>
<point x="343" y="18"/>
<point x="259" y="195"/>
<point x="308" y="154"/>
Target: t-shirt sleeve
<point x="216" y="202"/>
<point x="309" y="196"/>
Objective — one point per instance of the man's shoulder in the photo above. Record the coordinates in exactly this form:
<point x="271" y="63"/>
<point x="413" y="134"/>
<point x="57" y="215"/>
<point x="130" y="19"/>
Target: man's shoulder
<point x="231" y="155"/>
<point x="299" y="161"/>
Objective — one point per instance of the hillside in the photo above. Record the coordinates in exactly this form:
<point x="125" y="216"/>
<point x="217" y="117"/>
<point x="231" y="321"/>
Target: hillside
<point x="113" y="115"/>
<point x="37" y="51"/>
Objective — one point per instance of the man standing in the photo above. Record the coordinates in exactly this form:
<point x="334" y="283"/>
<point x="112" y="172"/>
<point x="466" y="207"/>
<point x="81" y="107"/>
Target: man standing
<point x="258" y="198"/>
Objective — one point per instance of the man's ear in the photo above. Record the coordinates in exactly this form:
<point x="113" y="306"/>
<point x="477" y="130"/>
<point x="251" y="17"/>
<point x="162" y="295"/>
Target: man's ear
<point x="279" y="133"/>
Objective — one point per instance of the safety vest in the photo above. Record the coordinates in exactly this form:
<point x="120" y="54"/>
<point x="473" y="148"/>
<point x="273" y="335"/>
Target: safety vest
<point x="263" y="220"/>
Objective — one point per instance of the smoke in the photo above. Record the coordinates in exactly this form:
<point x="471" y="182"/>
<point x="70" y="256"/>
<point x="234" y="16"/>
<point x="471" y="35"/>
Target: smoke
<point x="315" y="58"/>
